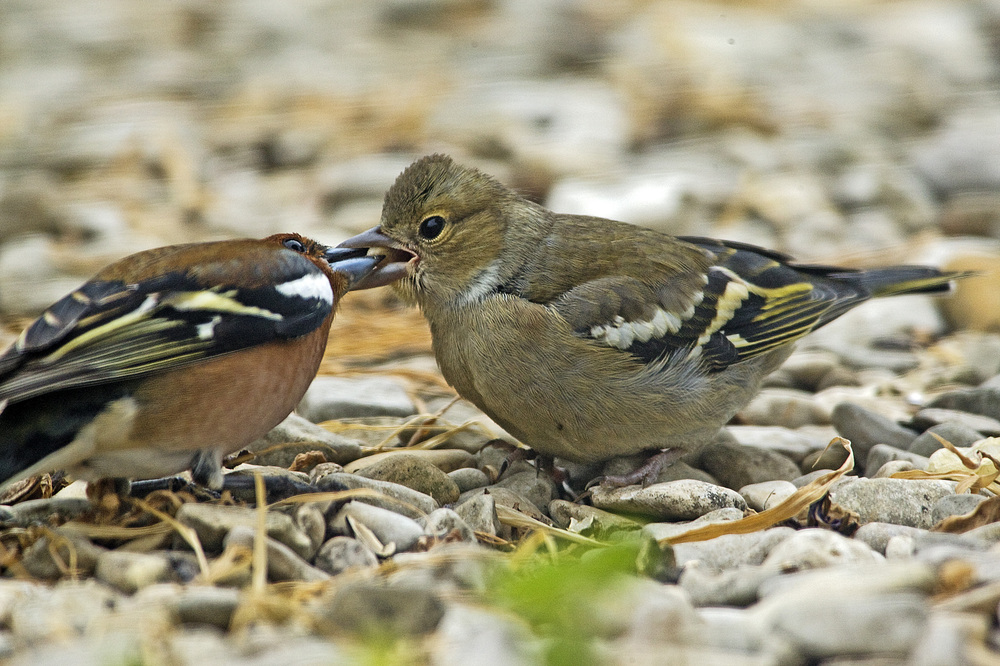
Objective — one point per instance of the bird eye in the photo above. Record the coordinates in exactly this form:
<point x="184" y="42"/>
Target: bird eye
<point x="432" y="227"/>
<point x="294" y="244"/>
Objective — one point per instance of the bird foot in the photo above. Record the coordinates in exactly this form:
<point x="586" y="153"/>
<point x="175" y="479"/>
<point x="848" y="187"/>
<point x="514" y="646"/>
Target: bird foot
<point x="645" y="474"/>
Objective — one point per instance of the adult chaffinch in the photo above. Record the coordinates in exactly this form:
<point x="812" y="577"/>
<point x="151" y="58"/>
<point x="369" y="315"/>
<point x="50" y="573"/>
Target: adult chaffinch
<point x="588" y="338"/>
<point x="171" y="358"/>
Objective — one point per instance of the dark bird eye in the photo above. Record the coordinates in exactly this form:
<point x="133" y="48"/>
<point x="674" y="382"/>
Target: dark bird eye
<point x="295" y="245"/>
<point x="432" y="227"/>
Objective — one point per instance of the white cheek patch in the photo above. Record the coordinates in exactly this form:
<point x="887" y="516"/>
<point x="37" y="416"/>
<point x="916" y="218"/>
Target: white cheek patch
<point x="314" y="286"/>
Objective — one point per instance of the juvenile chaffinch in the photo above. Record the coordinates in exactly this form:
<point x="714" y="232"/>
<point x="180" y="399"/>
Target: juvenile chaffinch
<point x="171" y="358"/>
<point x="588" y="338"/>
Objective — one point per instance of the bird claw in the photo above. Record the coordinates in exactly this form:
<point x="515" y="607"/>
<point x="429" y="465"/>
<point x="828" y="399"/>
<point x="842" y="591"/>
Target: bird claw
<point x="644" y="475"/>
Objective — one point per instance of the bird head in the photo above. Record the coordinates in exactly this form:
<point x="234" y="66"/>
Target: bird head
<point x="443" y="231"/>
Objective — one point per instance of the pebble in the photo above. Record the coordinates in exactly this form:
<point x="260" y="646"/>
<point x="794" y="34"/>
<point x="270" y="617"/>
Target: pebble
<point x="539" y="489"/>
<point x="395" y="531"/>
<point x="510" y="499"/>
<point x="865" y="429"/>
<point x="766" y="494"/>
<point x="954" y="505"/>
<point x="930" y="417"/>
<point x="956" y="433"/>
<point x="416" y="473"/>
<point x="374" y="609"/>
<point x="342" y="553"/>
<point x="447" y="460"/>
<point x="330" y="398"/>
<point x="597" y="522"/>
<point x="204" y="604"/>
<point x="902" y="502"/>
<point x="732" y="550"/>
<point x="40" y="558"/>
<point x="686" y="499"/>
<point x="129" y="572"/>
<point x="794" y="444"/>
<point x="783" y="407"/>
<point x="398" y="498"/>
<point x="816" y="548"/>
<point x="479" y="512"/>
<point x="658" y="531"/>
<point x="213" y="522"/>
<point x="469" y="478"/>
<point x="283" y="563"/>
<point x="44" y="511"/>
<point x="447" y="525"/>
<point x="880" y="454"/>
<point x="473" y="635"/>
<point x="736" y="466"/>
<point x="297" y="435"/>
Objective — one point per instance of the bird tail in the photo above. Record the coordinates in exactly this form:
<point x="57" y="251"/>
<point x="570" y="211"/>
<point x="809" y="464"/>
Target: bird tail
<point x="904" y="280"/>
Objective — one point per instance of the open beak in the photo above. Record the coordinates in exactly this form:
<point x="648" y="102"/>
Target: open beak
<point x="394" y="259"/>
<point x="355" y="265"/>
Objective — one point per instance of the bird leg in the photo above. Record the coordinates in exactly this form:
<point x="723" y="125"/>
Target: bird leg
<point x="644" y="474"/>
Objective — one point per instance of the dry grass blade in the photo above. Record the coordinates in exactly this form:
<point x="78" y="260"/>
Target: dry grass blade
<point x="513" y="518"/>
<point x="967" y="461"/>
<point x="985" y="513"/>
<point x="185" y="532"/>
<point x="94" y="531"/>
<point x="338" y="495"/>
<point x="788" y="509"/>
<point x="259" y="562"/>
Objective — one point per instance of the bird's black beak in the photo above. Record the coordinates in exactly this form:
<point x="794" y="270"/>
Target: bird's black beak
<point x="354" y="264"/>
<point x="395" y="259"/>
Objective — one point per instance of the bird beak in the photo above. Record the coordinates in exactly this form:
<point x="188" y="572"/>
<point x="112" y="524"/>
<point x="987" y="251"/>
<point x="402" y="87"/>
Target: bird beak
<point x="355" y="265"/>
<point x="395" y="260"/>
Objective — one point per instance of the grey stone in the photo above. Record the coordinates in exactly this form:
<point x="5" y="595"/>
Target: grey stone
<point x="129" y="572"/>
<point x="899" y="501"/>
<point x="954" y="505"/>
<point x="956" y="433"/>
<point x="732" y="550"/>
<point x="930" y="417"/>
<point x="601" y="524"/>
<point x="387" y="526"/>
<point x="311" y="521"/>
<point x="766" y="494"/>
<point x="204" y="604"/>
<point x="297" y="435"/>
<point x="469" y="478"/>
<point x="950" y="638"/>
<point x="397" y="498"/>
<point x="984" y="400"/>
<point x="330" y="398"/>
<point x="736" y="466"/>
<point x="892" y="467"/>
<point x="686" y="499"/>
<point x="865" y="429"/>
<point x="793" y="444"/>
<point x="658" y="531"/>
<point x="473" y="635"/>
<point x="539" y="489"/>
<point x="342" y="553"/>
<point x="375" y="609"/>
<point x="39" y="559"/>
<point x="283" y="563"/>
<point x="43" y="511"/>
<point x="445" y="524"/>
<point x="678" y="470"/>
<point x="213" y="522"/>
<point x="510" y="499"/>
<point x="880" y="454"/>
<point x="783" y="407"/>
<point x="738" y="586"/>
<point x="479" y="513"/>
<point x="67" y="610"/>
<point x="815" y="548"/>
<point x="415" y="473"/>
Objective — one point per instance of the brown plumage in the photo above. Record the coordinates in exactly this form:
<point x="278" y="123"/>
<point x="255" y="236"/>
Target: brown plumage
<point x="170" y="359"/>
<point x="588" y="338"/>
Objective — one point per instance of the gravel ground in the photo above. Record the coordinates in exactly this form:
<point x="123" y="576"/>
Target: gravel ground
<point x="864" y="133"/>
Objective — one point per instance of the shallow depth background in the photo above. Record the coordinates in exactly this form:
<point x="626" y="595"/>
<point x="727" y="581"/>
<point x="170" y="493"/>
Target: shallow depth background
<point x="831" y="129"/>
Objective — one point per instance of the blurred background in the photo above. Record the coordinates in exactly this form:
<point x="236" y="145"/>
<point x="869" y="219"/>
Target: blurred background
<point x="851" y="130"/>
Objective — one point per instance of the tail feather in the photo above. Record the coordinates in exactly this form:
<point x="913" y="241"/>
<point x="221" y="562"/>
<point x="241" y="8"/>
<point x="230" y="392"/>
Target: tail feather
<point x="902" y="280"/>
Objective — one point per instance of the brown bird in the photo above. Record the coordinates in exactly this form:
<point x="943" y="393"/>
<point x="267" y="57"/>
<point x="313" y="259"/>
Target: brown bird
<point x="171" y="358"/>
<point x="588" y="338"/>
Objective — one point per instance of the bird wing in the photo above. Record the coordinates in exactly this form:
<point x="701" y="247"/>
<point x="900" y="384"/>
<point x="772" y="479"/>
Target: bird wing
<point x="108" y="330"/>
<point x="750" y="301"/>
